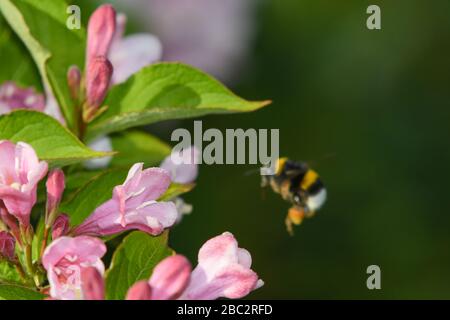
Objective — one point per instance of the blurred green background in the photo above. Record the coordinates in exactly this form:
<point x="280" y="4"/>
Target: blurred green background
<point x="378" y="102"/>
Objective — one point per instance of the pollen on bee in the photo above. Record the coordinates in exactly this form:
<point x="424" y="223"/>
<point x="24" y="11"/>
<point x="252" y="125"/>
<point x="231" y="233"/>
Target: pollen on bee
<point x="294" y="217"/>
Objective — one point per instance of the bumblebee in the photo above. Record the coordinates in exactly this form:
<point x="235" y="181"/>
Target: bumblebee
<point x="299" y="185"/>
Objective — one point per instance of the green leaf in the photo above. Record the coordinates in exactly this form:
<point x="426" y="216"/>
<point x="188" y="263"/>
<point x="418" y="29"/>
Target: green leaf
<point x="93" y="194"/>
<point x="51" y="141"/>
<point x="137" y="146"/>
<point x="17" y="292"/>
<point x="16" y="63"/>
<point x="76" y="180"/>
<point x="38" y="237"/>
<point x="166" y="91"/>
<point x="41" y="24"/>
<point x="176" y="190"/>
<point x="8" y="273"/>
<point x="134" y="260"/>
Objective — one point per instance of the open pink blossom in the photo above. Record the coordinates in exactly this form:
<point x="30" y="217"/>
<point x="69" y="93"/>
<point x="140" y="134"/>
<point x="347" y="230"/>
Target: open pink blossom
<point x="20" y="172"/>
<point x="134" y="206"/>
<point x="223" y="270"/>
<point x="66" y="258"/>
<point x="182" y="165"/>
<point x="13" y="97"/>
<point x="131" y="53"/>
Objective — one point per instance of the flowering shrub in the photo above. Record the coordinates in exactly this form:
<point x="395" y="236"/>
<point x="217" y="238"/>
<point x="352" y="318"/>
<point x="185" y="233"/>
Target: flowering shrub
<point x="74" y="174"/>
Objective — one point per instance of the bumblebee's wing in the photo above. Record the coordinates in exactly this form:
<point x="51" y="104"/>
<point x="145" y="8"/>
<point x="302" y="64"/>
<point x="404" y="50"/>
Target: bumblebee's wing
<point x="291" y="173"/>
<point x="293" y="168"/>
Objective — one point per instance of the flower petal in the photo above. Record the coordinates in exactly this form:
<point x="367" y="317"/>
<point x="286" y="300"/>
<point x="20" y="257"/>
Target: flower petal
<point x="223" y="270"/>
<point x="130" y="54"/>
<point x="152" y="218"/>
<point x="182" y="166"/>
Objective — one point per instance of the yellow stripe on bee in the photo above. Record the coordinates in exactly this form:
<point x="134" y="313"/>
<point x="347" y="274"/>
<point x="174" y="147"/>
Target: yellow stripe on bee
<point x="310" y="177"/>
<point x="280" y="165"/>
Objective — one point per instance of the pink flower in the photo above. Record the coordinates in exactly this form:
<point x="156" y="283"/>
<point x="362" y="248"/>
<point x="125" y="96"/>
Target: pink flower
<point x="92" y="284"/>
<point x="66" y="258"/>
<point x="223" y="270"/>
<point x="183" y="168"/>
<point x="20" y="172"/>
<point x="7" y="246"/>
<point x="139" y="291"/>
<point x="182" y="165"/>
<point x="170" y="278"/>
<point x="61" y="226"/>
<point x="10" y="221"/>
<point x="98" y="79"/>
<point x="133" y="206"/>
<point x="131" y="53"/>
<point x="200" y="32"/>
<point x="74" y="81"/>
<point x="55" y="187"/>
<point x="101" y="29"/>
<point x="12" y="97"/>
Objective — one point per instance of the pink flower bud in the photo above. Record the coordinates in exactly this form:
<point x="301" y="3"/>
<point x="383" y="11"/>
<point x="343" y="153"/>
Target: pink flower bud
<point x="9" y="220"/>
<point x="55" y="188"/>
<point x="61" y="226"/>
<point x="92" y="284"/>
<point x="7" y="245"/>
<point x="74" y="81"/>
<point x="101" y="29"/>
<point x="97" y="84"/>
<point x="139" y="291"/>
<point x="170" y="277"/>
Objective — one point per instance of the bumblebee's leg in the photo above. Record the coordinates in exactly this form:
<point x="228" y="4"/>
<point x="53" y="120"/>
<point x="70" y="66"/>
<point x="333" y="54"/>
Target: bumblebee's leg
<point x="310" y="214"/>
<point x="289" y="224"/>
<point x="264" y="181"/>
<point x="295" y="216"/>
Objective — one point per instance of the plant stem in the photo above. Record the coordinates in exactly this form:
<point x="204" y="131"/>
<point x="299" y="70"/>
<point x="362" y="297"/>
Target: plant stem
<point x="30" y="266"/>
<point x="44" y="240"/>
<point x="20" y="270"/>
<point x="29" y="259"/>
